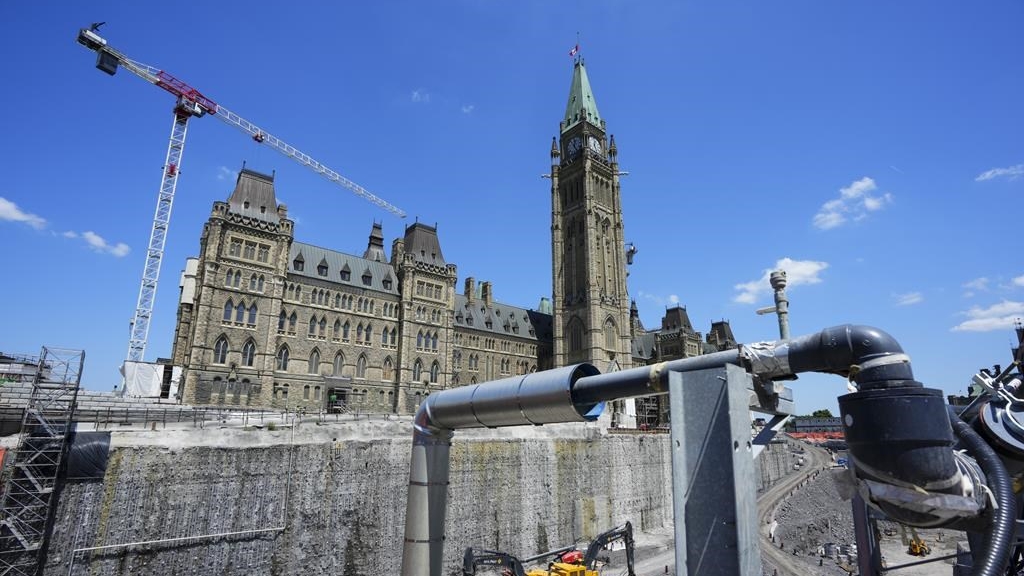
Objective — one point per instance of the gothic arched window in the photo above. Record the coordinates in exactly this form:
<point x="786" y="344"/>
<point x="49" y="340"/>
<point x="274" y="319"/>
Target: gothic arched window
<point x="220" y="351"/>
<point x="314" y="361"/>
<point x="248" y="353"/>
<point x="339" y="363"/>
<point x="282" y="358"/>
<point x="361" y="367"/>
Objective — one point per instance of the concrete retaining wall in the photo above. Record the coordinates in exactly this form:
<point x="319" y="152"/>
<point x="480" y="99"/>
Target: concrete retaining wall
<point x="519" y="490"/>
<point x="346" y="501"/>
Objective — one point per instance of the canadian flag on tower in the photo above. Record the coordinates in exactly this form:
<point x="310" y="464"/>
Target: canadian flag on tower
<point x="574" y="50"/>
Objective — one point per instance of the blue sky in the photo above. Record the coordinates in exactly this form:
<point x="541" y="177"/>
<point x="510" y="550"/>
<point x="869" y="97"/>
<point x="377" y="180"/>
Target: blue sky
<point x="873" y="147"/>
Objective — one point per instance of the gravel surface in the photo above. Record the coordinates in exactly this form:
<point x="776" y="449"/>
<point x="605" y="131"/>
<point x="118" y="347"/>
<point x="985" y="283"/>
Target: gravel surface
<point x="814" y="516"/>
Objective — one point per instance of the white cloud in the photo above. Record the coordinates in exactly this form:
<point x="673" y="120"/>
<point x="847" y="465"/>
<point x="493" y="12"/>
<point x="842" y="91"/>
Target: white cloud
<point x="855" y="202"/>
<point x="1001" y="316"/>
<point x="10" y="211"/>
<point x="797" y="272"/>
<point x="420" y="95"/>
<point x="909" y="298"/>
<point x="468" y="108"/>
<point x="226" y="174"/>
<point x="1011" y="173"/>
<point x="977" y="284"/>
<point x="1018" y="281"/>
<point x="99" y="244"/>
<point x="670" y="300"/>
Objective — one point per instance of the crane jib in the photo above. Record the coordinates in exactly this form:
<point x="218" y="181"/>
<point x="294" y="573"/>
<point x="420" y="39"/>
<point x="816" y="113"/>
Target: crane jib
<point x="183" y="90"/>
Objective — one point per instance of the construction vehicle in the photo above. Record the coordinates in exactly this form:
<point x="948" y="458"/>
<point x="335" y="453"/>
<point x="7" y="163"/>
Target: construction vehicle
<point x="568" y="561"/>
<point x="918" y="547"/>
<point x="509" y="564"/>
<point x="190" y="103"/>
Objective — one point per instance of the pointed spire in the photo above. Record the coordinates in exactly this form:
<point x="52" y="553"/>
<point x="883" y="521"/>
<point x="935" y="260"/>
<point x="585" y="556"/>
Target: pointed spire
<point x="582" y="105"/>
<point x="375" y="247"/>
<point x="554" y="148"/>
<point x="613" y="150"/>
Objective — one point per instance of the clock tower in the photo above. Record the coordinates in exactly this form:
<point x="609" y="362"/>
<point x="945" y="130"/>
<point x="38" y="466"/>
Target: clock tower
<point x="591" y="306"/>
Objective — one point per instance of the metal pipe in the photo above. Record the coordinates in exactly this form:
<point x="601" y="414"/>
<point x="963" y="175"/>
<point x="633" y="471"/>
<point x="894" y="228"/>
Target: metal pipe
<point x="868" y="356"/>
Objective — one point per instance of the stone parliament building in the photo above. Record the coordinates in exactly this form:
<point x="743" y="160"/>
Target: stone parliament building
<point x="267" y="321"/>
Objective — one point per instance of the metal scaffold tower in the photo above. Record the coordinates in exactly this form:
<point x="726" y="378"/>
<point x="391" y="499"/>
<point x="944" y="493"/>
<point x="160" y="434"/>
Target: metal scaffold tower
<point x="28" y="502"/>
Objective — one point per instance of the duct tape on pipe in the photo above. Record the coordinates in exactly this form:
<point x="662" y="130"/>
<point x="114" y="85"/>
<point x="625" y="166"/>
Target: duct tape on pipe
<point x="769" y="359"/>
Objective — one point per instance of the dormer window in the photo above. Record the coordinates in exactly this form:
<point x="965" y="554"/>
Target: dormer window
<point x="346" y="274"/>
<point x="263" y="209"/>
<point x="367" y="278"/>
<point x="387" y="284"/>
<point x="245" y="204"/>
<point x="299" y="263"/>
<point x="322" y="269"/>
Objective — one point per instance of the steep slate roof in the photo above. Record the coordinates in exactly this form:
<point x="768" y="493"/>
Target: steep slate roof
<point x="258" y="190"/>
<point x="643" y="345"/>
<point x="676" y="319"/>
<point x="421" y="241"/>
<point x="582" y="105"/>
<point x="722" y="330"/>
<point x="336" y="261"/>
<point x="505" y="319"/>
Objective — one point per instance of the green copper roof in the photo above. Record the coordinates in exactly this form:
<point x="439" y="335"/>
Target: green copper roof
<point x="582" y="105"/>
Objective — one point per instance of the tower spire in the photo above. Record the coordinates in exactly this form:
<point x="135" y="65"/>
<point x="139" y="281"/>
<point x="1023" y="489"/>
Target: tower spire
<point x="582" y="105"/>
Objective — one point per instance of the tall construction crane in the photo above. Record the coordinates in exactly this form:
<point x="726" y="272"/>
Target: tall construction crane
<point x="191" y="102"/>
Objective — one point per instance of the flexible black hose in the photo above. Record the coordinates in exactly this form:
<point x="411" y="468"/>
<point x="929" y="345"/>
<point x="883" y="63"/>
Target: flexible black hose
<point x="997" y="542"/>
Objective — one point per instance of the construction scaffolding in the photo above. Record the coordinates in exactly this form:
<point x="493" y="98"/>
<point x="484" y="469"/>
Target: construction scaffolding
<point x="28" y="501"/>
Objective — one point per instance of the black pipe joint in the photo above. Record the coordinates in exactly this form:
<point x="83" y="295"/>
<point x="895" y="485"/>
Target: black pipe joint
<point x="901" y="436"/>
<point x="868" y="356"/>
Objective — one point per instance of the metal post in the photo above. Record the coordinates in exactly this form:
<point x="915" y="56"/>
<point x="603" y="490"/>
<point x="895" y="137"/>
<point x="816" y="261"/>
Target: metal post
<point x="778" y="281"/>
<point x="714" y="501"/>
<point x="869" y="561"/>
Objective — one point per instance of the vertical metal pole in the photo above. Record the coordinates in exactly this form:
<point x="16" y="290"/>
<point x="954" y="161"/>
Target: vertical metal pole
<point x="869" y="562"/>
<point x="714" y="501"/>
<point x="778" y="281"/>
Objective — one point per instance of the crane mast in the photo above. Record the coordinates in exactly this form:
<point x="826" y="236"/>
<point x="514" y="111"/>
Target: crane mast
<point x="191" y="102"/>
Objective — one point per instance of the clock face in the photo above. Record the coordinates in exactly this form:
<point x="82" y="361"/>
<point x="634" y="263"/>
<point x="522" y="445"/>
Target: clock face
<point x="594" y="144"/>
<point x="574" y="146"/>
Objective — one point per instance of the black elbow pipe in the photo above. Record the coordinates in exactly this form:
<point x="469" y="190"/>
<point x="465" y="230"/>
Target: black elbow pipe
<point x="895" y="428"/>
<point x="994" y="553"/>
<point x="868" y="356"/>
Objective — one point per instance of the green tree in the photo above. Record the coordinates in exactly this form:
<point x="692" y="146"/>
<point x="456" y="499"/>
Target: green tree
<point x="824" y="413"/>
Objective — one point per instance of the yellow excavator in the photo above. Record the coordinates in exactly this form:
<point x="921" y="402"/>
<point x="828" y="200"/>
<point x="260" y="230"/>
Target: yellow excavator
<point x="565" y="561"/>
<point x="916" y="545"/>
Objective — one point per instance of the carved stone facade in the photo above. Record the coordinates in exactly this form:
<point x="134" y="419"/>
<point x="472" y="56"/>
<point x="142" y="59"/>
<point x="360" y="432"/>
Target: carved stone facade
<point x="267" y="321"/>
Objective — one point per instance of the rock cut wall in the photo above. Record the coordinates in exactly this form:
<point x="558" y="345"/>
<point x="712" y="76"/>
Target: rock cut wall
<point x="335" y="505"/>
